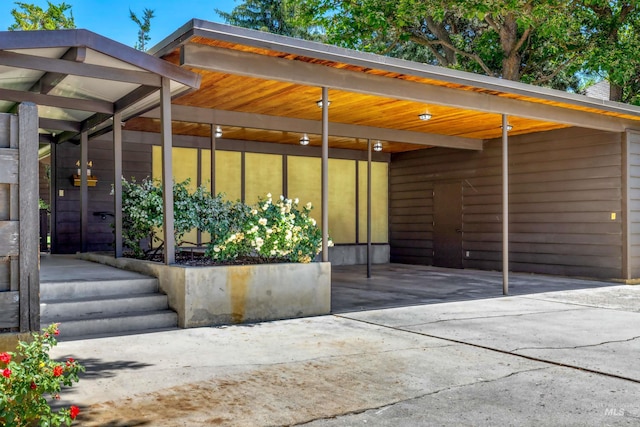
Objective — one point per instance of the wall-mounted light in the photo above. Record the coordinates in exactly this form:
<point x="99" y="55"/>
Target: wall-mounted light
<point x="377" y="146"/>
<point x="218" y="133"/>
<point x="304" y="139"/>
<point x="509" y="127"/>
<point x="319" y="103"/>
<point x="424" y="116"/>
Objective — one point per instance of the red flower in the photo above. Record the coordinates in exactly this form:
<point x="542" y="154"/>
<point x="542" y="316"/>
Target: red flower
<point x="56" y="332"/>
<point x="70" y="361"/>
<point x="6" y="373"/>
<point x="33" y="385"/>
<point x="5" y="357"/>
<point x="57" y="371"/>
<point x="73" y="412"/>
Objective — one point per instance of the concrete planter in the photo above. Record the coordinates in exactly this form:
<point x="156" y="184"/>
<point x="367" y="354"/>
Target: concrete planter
<point x="222" y="295"/>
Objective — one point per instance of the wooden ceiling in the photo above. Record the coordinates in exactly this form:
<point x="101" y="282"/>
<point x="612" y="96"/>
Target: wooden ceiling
<point x="253" y="95"/>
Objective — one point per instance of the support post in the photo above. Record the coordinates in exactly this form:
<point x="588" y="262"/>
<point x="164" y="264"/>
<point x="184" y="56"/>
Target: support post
<point x="505" y="205"/>
<point x="213" y="160"/>
<point x="167" y="173"/>
<point x="28" y="201"/>
<point x="84" y="191"/>
<point x="117" y="183"/>
<point x="325" y="174"/>
<point x="368" y="208"/>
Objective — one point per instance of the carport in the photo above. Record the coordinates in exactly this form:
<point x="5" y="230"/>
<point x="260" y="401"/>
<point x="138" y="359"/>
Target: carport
<point x="558" y="168"/>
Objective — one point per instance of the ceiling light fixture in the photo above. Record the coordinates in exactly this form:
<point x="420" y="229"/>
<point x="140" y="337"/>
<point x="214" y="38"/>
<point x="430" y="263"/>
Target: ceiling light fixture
<point x="509" y="127"/>
<point x="319" y="103"/>
<point x="304" y="139"/>
<point x="218" y="133"/>
<point x="424" y="116"/>
<point x="377" y="146"/>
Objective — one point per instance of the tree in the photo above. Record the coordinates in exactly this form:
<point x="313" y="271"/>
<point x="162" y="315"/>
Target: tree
<point x="273" y="16"/>
<point x="613" y="32"/>
<point x="32" y="17"/>
<point x="535" y="41"/>
<point x="144" y="26"/>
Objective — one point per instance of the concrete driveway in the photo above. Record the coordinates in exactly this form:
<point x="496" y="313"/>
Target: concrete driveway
<point x="548" y="358"/>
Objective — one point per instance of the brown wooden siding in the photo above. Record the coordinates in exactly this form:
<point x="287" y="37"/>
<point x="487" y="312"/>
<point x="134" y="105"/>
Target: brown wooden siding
<point x="564" y="186"/>
<point x="633" y="158"/>
<point x="136" y="163"/>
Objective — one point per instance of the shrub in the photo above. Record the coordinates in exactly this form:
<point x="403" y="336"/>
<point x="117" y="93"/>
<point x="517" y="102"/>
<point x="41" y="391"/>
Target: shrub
<point x="30" y="380"/>
<point x="268" y="231"/>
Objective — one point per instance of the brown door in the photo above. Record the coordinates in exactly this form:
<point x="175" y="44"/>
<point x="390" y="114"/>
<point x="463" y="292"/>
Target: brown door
<point x="447" y="227"/>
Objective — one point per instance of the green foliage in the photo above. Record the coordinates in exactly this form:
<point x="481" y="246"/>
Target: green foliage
<point x="30" y="379"/>
<point x="270" y="232"/>
<point x="273" y="16"/>
<point x="144" y="27"/>
<point x="32" y="17"/>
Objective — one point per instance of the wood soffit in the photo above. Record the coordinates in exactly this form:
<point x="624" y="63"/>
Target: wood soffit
<point x="224" y="91"/>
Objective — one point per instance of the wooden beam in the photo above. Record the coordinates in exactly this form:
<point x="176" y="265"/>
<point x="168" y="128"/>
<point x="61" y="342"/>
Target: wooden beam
<point x="59" y="125"/>
<point x="309" y="74"/>
<point x="57" y="101"/>
<point x="61" y="66"/>
<point x="267" y="122"/>
<point x="50" y="80"/>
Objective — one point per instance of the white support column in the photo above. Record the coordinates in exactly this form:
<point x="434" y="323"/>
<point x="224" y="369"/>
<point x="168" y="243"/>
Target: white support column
<point x="325" y="174"/>
<point x="167" y="173"/>
<point x="505" y="204"/>
<point x="117" y="183"/>
<point x="213" y="160"/>
<point x="84" y="191"/>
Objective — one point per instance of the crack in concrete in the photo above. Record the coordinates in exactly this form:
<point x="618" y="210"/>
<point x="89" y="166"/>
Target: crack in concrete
<point x="387" y="406"/>
<point x="575" y="347"/>
<point x="463" y="318"/>
<point x="579" y="304"/>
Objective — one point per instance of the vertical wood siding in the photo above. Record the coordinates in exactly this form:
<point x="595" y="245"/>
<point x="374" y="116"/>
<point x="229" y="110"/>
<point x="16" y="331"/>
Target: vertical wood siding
<point x="564" y="186"/>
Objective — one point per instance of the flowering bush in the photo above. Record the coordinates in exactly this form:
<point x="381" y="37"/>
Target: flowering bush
<point x="270" y="231"/>
<point x="29" y="376"/>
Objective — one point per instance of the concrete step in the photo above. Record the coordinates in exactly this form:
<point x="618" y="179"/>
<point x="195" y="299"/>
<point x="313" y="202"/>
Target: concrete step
<point x="52" y="311"/>
<point x="92" y="308"/>
<point x="119" y="325"/>
<point x="87" y="289"/>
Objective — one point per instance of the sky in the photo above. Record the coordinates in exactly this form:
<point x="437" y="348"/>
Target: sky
<point x="110" y="18"/>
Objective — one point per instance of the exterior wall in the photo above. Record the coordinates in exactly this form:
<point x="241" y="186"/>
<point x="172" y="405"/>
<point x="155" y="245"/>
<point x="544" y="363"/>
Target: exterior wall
<point x="136" y="163"/>
<point x="633" y="204"/>
<point x="564" y="187"/>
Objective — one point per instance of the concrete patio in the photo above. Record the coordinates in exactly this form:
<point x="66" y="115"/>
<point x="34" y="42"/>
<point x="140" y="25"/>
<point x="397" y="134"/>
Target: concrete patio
<point x="552" y="357"/>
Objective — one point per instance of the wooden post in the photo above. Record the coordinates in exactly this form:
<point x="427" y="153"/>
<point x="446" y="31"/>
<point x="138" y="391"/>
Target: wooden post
<point x="84" y="191"/>
<point x="117" y="183"/>
<point x="213" y="160"/>
<point x="29" y="248"/>
<point x="167" y="173"/>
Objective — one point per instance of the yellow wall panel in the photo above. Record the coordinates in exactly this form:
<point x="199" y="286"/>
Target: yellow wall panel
<point x="185" y="165"/>
<point x="342" y="200"/>
<point x="304" y="181"/>
<point x="263" y="174"/>
<point x="379" y="202"/>
<point x="228" y="173"/>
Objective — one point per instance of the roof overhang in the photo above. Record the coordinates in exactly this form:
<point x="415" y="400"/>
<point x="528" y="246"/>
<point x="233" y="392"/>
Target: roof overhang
<point x="255" y="81"/>
<point x="79" y="79"/>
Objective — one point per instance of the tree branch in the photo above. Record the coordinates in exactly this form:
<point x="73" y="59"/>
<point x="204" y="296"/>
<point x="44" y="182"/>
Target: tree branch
<point x="461" y="52"/>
